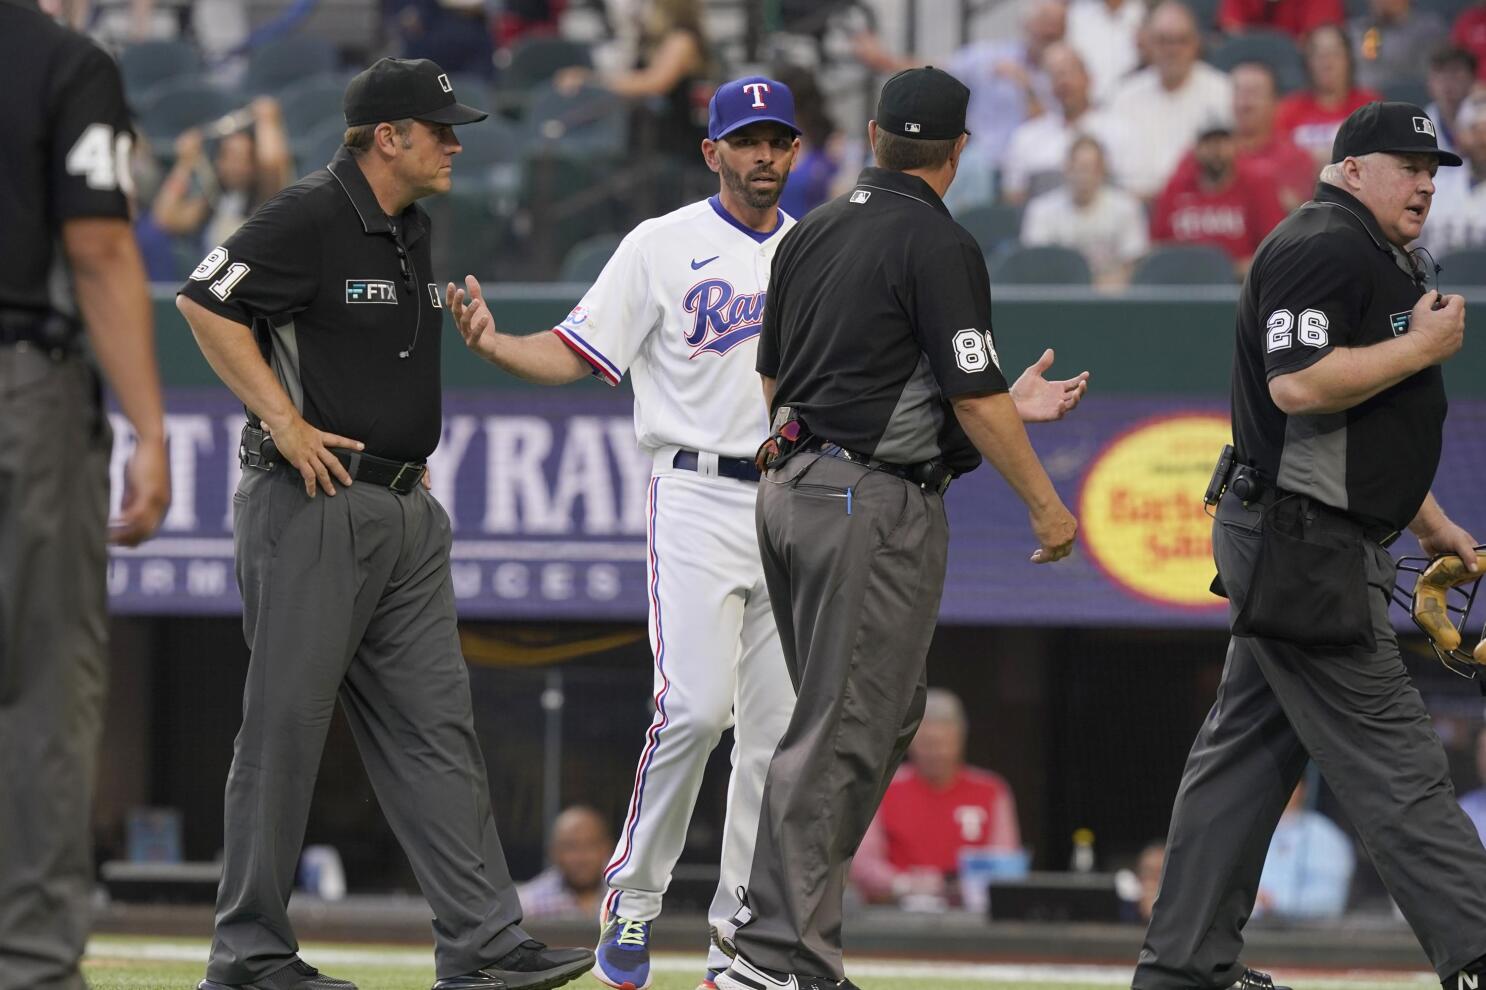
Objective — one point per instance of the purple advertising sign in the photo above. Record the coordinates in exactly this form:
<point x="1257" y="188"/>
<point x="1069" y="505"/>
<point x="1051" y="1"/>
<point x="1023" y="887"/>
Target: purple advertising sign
<point x="546" y="490"/>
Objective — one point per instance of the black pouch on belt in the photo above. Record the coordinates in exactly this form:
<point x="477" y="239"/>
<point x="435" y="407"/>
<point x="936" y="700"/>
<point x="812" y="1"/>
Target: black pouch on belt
<point x="1309" y="585"/>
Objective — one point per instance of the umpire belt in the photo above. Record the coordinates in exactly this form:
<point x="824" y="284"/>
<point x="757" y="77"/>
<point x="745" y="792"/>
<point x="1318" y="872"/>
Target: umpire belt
<point x="258" y="451"/>
<point x="931" y="476"/>
<point x="50" y="332"/>
<point x="1326" y="518"/>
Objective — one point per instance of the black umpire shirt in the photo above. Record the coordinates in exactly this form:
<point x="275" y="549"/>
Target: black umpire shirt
<point x="1326" y="277"/>
<point x="343" y="293"/>
<point x="879" y="313"/>
<point x="66" y="150"/>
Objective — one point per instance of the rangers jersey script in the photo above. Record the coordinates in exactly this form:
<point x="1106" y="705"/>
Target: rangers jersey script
<point x="679" y="306"/>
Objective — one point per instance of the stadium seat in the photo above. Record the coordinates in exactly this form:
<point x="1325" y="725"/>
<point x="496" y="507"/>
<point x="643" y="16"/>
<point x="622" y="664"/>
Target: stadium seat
<point x="467" y="233"/>
<point x="587" y="258"/>
<point x="1206" y="13"/>
<point x="283" y="63"/>
<point x="1184" y="264"/>
<point x="1447" y="9"/>
<point x="313" y="149"/>
<point x="1465" y="267"/>
<point x="150" y="63"/>
<point x="536" y="60"/>
<point x="591" y="120"/>
<point x="178" y="106"/>
<point x="491" y="142"/>
<point x="1274" y="48"/>
<point x="1043" y="265"/>
<point x="1413" y="91"/>
<point x="992" y="225"/>
<point x="312" y="102"/>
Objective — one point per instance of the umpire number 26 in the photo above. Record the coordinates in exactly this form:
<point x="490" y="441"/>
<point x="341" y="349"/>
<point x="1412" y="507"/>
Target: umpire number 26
<point x="1281" y="330"/>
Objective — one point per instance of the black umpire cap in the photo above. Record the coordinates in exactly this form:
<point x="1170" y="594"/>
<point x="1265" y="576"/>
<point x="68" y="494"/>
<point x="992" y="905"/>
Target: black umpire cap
<point x="1396" y="128"/>
<point x="395" y="88"/>
<point x="926" y="104"/>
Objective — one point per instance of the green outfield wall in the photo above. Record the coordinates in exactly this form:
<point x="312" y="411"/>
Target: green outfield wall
<point x="1151" y="341"/>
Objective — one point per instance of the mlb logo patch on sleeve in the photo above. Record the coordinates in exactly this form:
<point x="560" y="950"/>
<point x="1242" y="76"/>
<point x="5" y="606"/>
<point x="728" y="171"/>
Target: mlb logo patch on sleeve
<point x="861" y="196"/>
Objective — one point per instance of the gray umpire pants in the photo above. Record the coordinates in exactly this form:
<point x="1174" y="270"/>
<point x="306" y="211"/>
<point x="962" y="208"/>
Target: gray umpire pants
<point x="856" y="596"/>
<point x="349" y="596"/>
<point x="54" y="449"/>
<point x="1359" y="716"/>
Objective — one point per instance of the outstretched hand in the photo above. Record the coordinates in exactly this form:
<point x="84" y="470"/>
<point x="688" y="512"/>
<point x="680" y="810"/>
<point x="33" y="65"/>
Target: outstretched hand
<point x="1041" y="401"/>
<point x="472" y="316"/>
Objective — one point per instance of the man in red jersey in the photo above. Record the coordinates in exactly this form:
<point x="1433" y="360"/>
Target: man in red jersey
<point x="1295" y="17"/>
<point x="1469" y="32"/>
<point x="1261" y="150"/>
<point x="935" y="806"/>
<point x="1210" y="200"/>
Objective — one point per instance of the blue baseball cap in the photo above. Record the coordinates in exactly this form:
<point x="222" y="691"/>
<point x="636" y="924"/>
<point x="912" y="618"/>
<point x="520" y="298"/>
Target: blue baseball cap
<point x="748" y="101"/>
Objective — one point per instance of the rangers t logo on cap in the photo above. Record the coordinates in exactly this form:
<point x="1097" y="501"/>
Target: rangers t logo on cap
<point x="741" y="102"/>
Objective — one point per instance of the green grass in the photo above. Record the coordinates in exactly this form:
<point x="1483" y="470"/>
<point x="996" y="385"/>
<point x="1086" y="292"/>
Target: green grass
<point x="119" y="963"/>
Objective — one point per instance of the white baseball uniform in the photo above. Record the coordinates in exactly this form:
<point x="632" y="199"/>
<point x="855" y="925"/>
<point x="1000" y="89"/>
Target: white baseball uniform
<point x="680" y="306"/>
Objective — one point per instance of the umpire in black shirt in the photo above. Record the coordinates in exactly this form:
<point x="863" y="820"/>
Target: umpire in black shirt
<point x="347" y="592"/>
<point x="1338" y="406"/>
<point x="883" y="380"/>
<point x="69" y="269"/>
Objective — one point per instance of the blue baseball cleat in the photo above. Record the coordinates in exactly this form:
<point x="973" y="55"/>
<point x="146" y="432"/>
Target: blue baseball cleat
<point x="624" y="955"/>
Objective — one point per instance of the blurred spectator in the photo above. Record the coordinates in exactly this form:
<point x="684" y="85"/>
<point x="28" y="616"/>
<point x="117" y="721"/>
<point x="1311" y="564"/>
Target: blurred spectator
<point x="1469" y="33"/>
<point x="1007" y="86"/>
<point x="1457" y="217"/>
<point x="1261" y="150"/>
<point x="1137" y="887"/>
<point x="1458" y="213"/>
<point x="218" y="26"/>
<point x="1295" y="17"/>
<point x="934" y="807"/>
<point x="1039" y="147"/>
<point x="454" y="33"/>
<point x="809" y="182"/>
<point x="1310" y="117"/>
<point x="1148" y="871"/>
<point x="208" y="200"/>
<point x="573" y="885"/>
<point x="1210" y="200"/>
<point x="671" y="73"/>
<point x="1159" y="109"/>
<point x="1104" y="32"/>
<point x="1389" y="40"/>
<point x="1106" y="225"/>
<point x="1474" y="801"/>
<point x="517" y="19"/>
<point x="1308" y="871"/>
<point x="1452" y="76"/>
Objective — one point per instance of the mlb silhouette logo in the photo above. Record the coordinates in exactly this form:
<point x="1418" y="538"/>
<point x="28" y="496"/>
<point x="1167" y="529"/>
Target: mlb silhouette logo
<point x="911" y="128"/>
<point x="860" y="196"/>
<point x="1423" y="125"/>
<point x="444" y="83"/>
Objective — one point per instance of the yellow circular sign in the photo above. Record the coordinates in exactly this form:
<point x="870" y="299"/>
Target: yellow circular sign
<point x="1141" y="513"/>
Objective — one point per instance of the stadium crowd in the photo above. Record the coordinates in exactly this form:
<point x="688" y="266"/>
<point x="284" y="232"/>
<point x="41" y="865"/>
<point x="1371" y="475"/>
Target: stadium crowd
<point x="1112" y="140"/>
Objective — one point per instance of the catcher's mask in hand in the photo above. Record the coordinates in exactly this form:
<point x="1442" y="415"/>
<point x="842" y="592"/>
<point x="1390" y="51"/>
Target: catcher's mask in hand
<point x="1440" y="605"/>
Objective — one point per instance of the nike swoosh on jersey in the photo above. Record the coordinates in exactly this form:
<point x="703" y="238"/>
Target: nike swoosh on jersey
<point x="695" y="264"/>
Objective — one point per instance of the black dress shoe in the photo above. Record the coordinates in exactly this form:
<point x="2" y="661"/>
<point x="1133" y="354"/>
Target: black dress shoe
<point x="1252" y="979"/>
<point x="298" y="975"/>
<point x="530" y="966"/>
